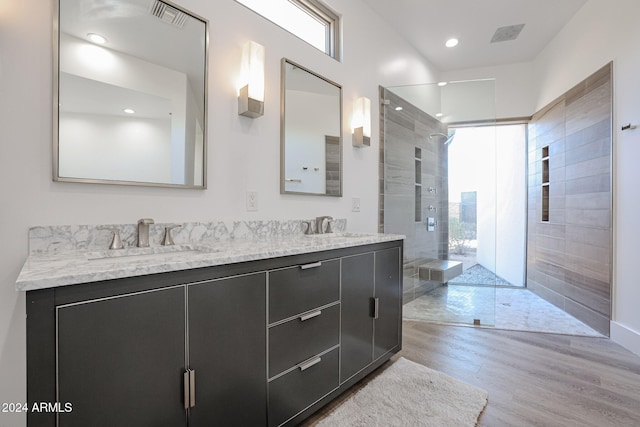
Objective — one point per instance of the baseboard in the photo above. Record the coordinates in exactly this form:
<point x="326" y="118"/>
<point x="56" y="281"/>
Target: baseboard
<point x="626" y="337"/>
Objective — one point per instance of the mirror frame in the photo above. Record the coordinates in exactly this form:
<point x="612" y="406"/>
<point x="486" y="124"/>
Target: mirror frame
<point x="283" y="89"/>
<point x="56" y="110"/>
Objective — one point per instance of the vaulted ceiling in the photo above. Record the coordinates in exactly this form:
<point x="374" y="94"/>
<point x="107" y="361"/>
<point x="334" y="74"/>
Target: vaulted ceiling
<point x="427" y="24"/>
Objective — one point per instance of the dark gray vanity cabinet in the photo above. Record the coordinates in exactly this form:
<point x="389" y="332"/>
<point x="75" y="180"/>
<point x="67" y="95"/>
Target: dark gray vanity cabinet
<point x="227" y="343"/>
<point x="189" y="354"/>
<point x="371" y="309"/>
<point x="259" y="343"/>
<point x="119" y="359"/>
<point x="387" y="302"/>
<point x="304" y="337"/>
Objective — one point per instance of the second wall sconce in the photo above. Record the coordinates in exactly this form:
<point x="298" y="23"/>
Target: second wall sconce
<point x="251" y="83"/>
<point x="361" y="122"/>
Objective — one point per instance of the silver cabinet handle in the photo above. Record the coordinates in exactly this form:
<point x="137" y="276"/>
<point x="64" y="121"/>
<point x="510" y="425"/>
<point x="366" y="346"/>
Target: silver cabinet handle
<point x="312" y="265"/>
<point x="192" y="388"/>
<point x="375" y="307"/>
<point x="306" y="365"/>
<point x="310" y="315"/>
<point x="189" y="378"/>
<point x="185" y="379"/>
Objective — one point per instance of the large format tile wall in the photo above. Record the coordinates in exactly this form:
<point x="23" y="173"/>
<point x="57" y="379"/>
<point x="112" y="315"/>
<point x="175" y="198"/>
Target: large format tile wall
<point x="402" y="131"/>
<point x="569" y="256"/>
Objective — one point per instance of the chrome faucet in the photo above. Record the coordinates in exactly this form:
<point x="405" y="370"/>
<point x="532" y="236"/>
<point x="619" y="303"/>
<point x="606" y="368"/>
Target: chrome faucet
<point x="143" y="232"/>
<point x="320" y="224"/>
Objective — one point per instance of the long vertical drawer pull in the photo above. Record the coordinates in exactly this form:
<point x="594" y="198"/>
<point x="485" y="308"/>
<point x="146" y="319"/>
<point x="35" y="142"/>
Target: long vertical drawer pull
<point x="310" y="315"/>
<point x="185" y="379"/>
<point x="306" y="365"/>
<point x="312" y="265"/>
<point x="192" y="388"/>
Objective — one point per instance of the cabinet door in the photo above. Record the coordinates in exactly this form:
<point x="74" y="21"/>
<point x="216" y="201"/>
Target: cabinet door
<point x="120" y="360"/>
<point x="388" y="290"/>
<point x="357" y="323"/>
<point x="227" y="350"/>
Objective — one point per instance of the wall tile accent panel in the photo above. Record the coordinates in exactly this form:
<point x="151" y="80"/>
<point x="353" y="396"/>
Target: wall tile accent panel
<point x="569" y="257"/>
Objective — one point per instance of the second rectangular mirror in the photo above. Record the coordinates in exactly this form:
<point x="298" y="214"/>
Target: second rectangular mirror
<point x="311" y="133"/>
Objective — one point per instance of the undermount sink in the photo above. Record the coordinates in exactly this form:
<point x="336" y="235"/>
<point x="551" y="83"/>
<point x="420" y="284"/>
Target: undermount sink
<point x="134" y="254"/>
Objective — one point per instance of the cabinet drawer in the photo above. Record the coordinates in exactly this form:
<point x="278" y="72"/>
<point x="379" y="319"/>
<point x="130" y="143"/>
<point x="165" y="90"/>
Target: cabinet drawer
<point x="302" y="288"/>
<point x="299" y="339"/>
<point x="295" y="391"/>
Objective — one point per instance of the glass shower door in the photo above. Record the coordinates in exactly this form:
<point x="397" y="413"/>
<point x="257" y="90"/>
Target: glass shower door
<point x="448" y="234"/>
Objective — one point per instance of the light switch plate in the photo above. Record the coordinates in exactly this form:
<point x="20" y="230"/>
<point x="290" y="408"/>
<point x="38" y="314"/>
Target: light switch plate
<point x="252" y="201"/>
<point x="355" y="204"/>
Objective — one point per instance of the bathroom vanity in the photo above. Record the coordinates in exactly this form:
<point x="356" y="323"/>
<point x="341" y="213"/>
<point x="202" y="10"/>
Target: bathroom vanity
<point x="225" y="337"/>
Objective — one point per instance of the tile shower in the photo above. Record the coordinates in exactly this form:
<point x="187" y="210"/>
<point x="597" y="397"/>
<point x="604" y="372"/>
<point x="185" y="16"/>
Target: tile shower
<point x="569" y="212"/>
<point x="413" y="188"/>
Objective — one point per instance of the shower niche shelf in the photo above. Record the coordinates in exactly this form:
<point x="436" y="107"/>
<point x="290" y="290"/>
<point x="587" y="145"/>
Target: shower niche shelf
<point x="545" y="184"/>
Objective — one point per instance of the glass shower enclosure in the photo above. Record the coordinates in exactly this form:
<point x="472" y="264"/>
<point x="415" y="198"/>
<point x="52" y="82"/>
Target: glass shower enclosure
<point x="438" y="189"/>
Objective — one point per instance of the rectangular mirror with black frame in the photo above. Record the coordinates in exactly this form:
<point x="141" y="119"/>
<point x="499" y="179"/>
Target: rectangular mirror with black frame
<point x="130" y="93"/>
<point x="311" y="133"/>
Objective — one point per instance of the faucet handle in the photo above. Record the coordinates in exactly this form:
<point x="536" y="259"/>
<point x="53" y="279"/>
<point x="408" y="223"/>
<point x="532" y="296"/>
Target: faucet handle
<point x="329" y="229"/>
<point x="167" y="240"/>
<point x="309" y="229"/>
<point x="116" y="242"/>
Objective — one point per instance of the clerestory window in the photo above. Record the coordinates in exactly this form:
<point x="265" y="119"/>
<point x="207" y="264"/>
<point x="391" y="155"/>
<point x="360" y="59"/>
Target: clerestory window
<point x="310" y="20"/>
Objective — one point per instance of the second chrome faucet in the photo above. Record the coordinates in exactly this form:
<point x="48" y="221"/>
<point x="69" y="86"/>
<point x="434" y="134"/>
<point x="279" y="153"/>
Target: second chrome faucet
<point x="143" y="232"/>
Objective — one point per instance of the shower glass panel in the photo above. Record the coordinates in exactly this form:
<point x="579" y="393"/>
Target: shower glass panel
<point x="450" y="249"/>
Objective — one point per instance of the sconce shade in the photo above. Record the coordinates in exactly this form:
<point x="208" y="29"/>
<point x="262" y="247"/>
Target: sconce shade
<point x="361" y="122"/>
<point x="251" y="83"/>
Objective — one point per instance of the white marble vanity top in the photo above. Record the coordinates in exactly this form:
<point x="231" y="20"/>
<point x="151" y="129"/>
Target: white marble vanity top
<point x="48" y="269"/>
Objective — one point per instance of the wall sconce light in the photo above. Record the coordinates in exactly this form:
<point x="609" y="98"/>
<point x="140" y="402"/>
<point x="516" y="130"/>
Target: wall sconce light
<point x="361" y="122"/>
<point x="251" y="84"/>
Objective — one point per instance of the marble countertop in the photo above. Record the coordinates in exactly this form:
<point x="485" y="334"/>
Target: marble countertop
<point x="42" y="271"/>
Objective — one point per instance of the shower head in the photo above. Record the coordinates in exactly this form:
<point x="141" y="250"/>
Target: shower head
<point x="448" y="138"/>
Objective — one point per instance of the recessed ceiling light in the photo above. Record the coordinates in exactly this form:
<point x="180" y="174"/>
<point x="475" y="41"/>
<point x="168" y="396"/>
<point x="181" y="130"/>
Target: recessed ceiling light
<point x="451" y="43"/>
<point x="398" y="108"/>
<point x="439" y="115"/>
<point x="96" y="38"/>
<point x="442" y="84"/>
<point x="128" y="111"/>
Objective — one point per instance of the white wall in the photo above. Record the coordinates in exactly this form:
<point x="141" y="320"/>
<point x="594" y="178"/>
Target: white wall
<point x="511" y="203"/>
<point x="243" y="154"/>
<point x="599" y="33"/>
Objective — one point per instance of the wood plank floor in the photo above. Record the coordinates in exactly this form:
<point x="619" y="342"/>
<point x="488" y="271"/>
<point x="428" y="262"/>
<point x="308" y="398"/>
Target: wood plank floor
<point x="533" y="379"/>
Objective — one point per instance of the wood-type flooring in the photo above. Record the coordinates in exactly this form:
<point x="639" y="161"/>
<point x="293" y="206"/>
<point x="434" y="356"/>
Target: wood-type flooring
<point x="533" y="379"/>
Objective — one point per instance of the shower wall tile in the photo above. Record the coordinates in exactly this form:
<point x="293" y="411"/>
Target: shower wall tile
<point x="598" y="165"/>
<point x="401" y="132"/>
<point x="599" y="237"/>
<point x="569" y="257"/>
<point x="597" y="321"/>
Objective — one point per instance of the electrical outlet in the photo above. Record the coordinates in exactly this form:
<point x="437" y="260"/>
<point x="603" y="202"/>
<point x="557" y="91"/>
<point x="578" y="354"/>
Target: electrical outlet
<point x="355" y="204"/>
<point x="252" y="201"/>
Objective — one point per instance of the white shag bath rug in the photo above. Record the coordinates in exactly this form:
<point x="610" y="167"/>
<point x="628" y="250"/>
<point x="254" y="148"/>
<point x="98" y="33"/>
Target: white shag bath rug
<point x="409" y="394"/>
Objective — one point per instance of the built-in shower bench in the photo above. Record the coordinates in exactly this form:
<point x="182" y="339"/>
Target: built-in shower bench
<point x="439" y="270"/>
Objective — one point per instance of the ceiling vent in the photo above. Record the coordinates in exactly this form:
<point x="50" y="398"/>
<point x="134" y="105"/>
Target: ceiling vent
<point x="504" y="34"/>
<point x="168" y="14"/>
